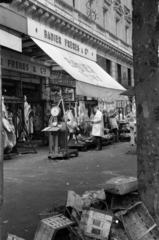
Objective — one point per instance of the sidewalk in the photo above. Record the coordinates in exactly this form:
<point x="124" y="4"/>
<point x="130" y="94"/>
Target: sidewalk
<point x="33" y="183"/>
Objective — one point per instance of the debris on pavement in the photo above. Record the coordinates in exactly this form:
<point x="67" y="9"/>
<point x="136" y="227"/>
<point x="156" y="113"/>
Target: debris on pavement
<point x="89" y="197"/>
<point x="112" y="214"/>
<point x="115" y="213"/>
<point x="74" y="201"/>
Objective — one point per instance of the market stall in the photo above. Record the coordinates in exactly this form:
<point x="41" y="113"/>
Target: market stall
<point x="16" y="126"/>
<point x="129" y="127"/>
<point x="90" y="81"/>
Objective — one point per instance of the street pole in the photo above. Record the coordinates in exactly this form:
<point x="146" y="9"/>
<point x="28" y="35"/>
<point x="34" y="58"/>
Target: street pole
<point x="1" y="152"/>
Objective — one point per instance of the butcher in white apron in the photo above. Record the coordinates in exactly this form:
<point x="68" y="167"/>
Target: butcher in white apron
<point x="98" y="127"/>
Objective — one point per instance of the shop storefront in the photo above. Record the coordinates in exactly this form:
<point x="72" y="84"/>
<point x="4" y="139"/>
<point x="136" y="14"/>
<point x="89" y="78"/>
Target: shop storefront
<point x="23" y="77"/>
<point x="79" y="74"/>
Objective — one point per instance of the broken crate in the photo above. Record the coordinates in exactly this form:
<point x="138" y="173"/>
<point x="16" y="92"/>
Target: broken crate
<point x="138" y="223"/>
<point x="48" y="227"/>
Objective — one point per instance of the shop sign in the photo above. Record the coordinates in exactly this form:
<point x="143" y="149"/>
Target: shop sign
<point x="63" y="82"/>
<point x="60" y="40"/>
<point x="19" y="65"/>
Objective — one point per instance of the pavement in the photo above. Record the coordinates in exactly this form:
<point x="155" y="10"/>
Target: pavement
<point x="33" y="183"/>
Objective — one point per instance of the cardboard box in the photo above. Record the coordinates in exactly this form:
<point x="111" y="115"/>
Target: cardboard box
<point x="121" y="185"/>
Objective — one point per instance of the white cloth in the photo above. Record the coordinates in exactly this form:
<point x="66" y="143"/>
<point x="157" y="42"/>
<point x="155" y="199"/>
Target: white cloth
<point x="113" y="123"/>
<point x="98" y="125"/>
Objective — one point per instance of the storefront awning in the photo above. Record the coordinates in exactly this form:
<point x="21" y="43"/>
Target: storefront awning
<point x="92" y="80"/>
<point x="10" y="41"/>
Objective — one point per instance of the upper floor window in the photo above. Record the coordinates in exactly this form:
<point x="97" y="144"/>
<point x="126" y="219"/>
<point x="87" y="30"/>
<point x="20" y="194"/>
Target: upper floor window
<point x="108" y="66"/>
<point x="74" y="5"/>
<point x="117" y="27"/>
<point x="126" y="34"/>
<point x="105" y="18"/>
<point x="129" y="77"/>
<point x="119" y="73"/>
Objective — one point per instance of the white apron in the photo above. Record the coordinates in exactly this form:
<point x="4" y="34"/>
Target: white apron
<point x="98" y="125"/>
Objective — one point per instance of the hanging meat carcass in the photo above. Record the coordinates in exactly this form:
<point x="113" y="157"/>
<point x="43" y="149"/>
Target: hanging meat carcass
<point x="70" y="120"/>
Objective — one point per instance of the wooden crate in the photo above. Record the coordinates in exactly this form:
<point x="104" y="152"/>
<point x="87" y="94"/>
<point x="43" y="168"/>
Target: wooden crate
<point x="96" y="223"/>
<point x="13" y="237"/>
<point x="138" y="223"/>
<point x="48" y="227"/>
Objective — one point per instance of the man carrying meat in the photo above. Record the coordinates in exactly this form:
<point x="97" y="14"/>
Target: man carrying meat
<point x="98" y="127"/>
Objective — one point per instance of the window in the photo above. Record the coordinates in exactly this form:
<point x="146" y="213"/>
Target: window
<point x="105" y="18"/>
<point x="119" y="73"/>
<point x="108" y="66"/>
<point x="126" y="34"/>
<point x="129" y="77"/>
<point x="117" y="27"/>
<point x="73" y="3"/>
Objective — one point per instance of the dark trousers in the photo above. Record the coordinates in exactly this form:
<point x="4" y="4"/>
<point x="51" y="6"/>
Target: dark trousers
<point x="99" y="143"/>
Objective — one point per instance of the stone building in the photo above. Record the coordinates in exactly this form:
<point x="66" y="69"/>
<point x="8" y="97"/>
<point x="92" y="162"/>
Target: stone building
<point x="103" y="25"/>
<point x="47" y="44"/>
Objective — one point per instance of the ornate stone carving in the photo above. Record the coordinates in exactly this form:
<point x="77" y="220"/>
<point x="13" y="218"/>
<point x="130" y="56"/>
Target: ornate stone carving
<point x="91" y="12"/>
<point x="127" y="14"/>
<point x="44" y="17"/>
<point x="15" y="3"/>
<point x="50" y="20"/>
<point x="23" y="5"/>
<point x="30" y="10"/>
<point x="108" y="2"/>
<point x="118" y="7"/>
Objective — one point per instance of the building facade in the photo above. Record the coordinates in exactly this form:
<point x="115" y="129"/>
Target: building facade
<point x="104" y="25"/>
<point x="97" y="30"/>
